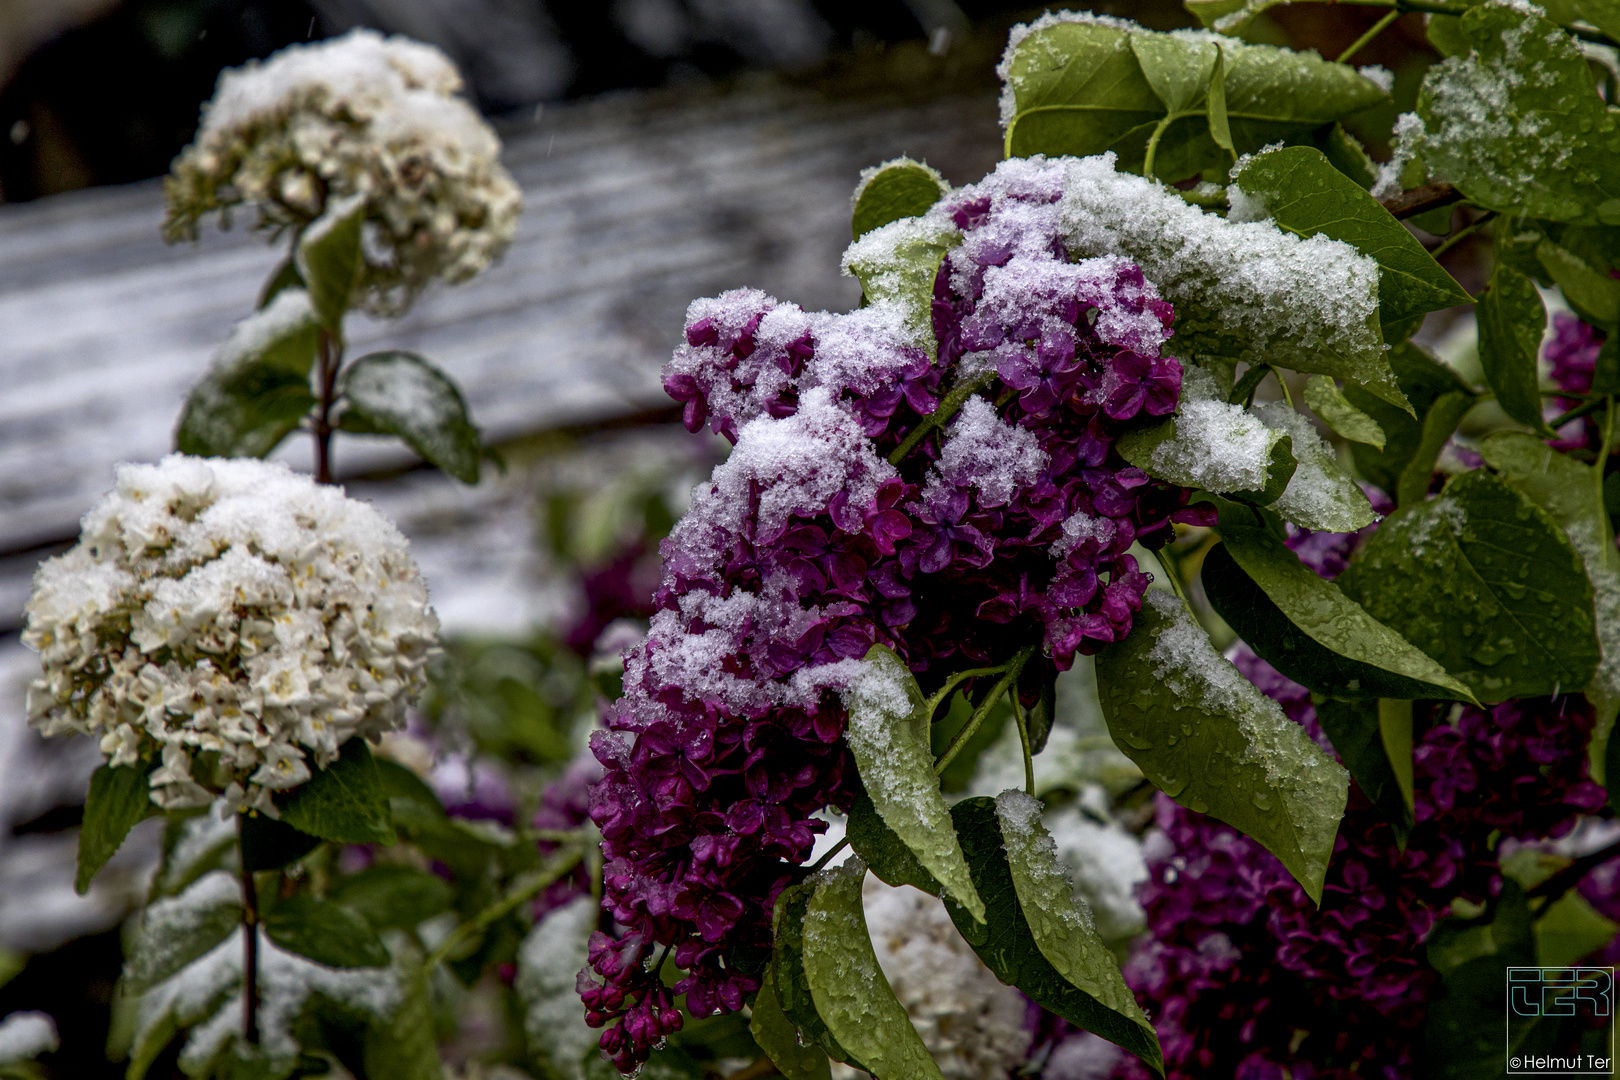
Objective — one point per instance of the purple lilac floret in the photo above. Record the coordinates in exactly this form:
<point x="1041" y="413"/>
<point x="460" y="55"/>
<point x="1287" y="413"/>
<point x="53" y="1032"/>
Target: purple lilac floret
<point x="1571" y="354"/>
<point x="1246" y="978"/>
<point x="808" y="547"/>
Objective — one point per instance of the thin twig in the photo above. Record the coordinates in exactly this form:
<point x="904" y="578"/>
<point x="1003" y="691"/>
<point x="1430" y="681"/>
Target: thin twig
<point x="1014" y="667"/>
<point x="944" y="411"/>
<point x="939" y="696"/>
<point x="825" y="859"/>
<point x="250" y="946"/>
<point x="527" y="888"/>
<point x="1571" y="875"/>
<point x="1420" y="199"/>
<point x="1462" y="234"/>
<point x="1576" y="413"/>
<point x="1373" y="31"/>
<point x="1023" y="739"/>
<point x="330" y="357"/>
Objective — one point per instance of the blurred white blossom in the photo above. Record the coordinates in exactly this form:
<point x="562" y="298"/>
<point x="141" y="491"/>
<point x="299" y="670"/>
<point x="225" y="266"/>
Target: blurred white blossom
<point x="233" y="617"/>
<point x="359" y="114"/>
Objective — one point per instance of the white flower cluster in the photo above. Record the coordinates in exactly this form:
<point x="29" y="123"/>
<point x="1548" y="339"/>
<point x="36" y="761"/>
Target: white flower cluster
<point x="356" y="114"/>
<point x="233" y="616"/>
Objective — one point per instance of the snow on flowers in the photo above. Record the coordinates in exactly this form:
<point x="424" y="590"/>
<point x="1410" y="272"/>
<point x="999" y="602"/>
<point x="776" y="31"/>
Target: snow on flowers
<point x="233" y="619"/>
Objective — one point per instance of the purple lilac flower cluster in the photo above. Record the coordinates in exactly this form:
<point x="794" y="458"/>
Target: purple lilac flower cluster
<point x="1571" y="354"/>
<point x="1006" y="525"/>
<point x="1245" y="977"/>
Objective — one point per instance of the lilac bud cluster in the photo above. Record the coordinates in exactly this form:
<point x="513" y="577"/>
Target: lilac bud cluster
<point x="1245" y="977"/>
<point x="1007" y="524"/>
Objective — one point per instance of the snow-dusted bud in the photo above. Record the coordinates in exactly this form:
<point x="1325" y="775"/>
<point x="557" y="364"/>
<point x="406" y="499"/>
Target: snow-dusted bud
<point x="231" y="619"/>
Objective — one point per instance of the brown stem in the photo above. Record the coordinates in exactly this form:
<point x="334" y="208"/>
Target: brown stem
<point x="1571" y="875"/>
<point x="1419" y="199"/>
<point x="329" y="358"/>
<point x="250" y="946"/>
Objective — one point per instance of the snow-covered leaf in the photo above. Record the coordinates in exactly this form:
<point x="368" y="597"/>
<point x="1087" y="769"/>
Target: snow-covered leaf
<point x="328" y="259"/>
<point x="1037" y="938"/>
<point x="850" y="991"/>
<point x="1320" y="495"/>
<point x="888" y="734"/>
<point x="176" y="930"/>
<point x="257" y="390"/>
<point x="548" y="962"/>
<point x="896" y="189"/>
<point x="896" y="265"/>
<point x="1207" y="738"/>
<point x="399" y="393"/>
<point x="1213" y="446"/>
<point x="887" y="855"/>
<point x="1485" y="582"/>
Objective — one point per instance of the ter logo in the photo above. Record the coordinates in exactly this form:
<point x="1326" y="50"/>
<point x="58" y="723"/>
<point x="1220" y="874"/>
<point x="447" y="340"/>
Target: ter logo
<point x="1534" y="991"/>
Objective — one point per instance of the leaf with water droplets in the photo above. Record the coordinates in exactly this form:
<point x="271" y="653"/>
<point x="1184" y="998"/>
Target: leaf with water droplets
<point x="851" y="994"/>
<point x="1207" y="738"/>
<point x="1511" y="320"/>
<point x="777" y="1036"/>
<point x="1037" y="938"/>
<point x="1330" y="405"/>
<point x="787" y="973"/>
<point x="1485" y="582"/>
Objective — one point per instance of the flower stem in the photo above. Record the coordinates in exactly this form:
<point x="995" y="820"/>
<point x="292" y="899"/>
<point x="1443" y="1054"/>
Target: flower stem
<point x="1014" y="667"/>
<point x="250" y="946"/>
<point x="330" y="358"/>
<point x="1462" y="234"/>
<point x="956" y="680"/>
<point x="1023" y="738"/>
<point x="526" y="888"/>
<point x="1153" y="143"/>
<point x="1372" y="31"/>
<point x="948" y="407"/>
<point x="1576" y="413"/>
<point x="825" y="859"/>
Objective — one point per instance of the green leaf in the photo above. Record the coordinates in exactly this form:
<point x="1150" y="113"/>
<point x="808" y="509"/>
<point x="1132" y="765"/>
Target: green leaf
<point x="1439" y="424"/>
<point x="1243" y="390"/>
<point x="1229" y="16"/>
<point x="329" y="260"/>
<point x="1474" y="957"/>
<point x="1082" y="88"/>
<point x="1573" y="495"/>
<point x="398" y="897"/>
<point x="1039" y="718"/>
<point x="552" y="955"/>
<point x="1516" y="123"/>
<point x="850" y="991"/>
<point x="1098" y="1001"/>
<point x="787" y="972"/>
<point x="399" y="393"/>
<point x="777" y="1036"/>
<point x="1207" y="738"/>
<point x="405" y="1045"/>
<point x="344" y="801"/>
<point x="285" y="277"/>
<point x="1570" y="929"/>
<point x="1330" y="405"/>
<point x="1423" y="381"/>
<point x="887" y="855"/>
<point x="1220" y="125"/>
<point x="176" y="930"/>
<point x="1303" y="626"/>
<point x="326" y="932"/>
<point x="1395" y="732"/>
<point x="1511" y="321"/>
<point x="1592" y="292"/>
<point x="268" y="844"/>
<point x="257" y="390"/>
<point x="1305" y="195"/>
<point x="1319" y="494"/>
<point x="897" y="189"/>
<point x="1352" y="727"/>
<point x="891" y="751"/>
<point x="896" y="264"/>
<point x="119" y="799"/>
<point x="1486" y="583"/>
<point x="1345" y="153"/>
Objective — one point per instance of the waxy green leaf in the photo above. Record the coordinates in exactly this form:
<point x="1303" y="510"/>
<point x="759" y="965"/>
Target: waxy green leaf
<point x="1207" y="738"/>
<point x="1395" y="732"/>
<point x="1439" y="424"/>
<point x="119" y="799"/>
<point x="399" y="393"/>
<point x="1081" y="87"/>
<point x="1423" y="381"/>
<point x="1304" y="194"/>
<point x="1472" y="957"/>
<point x="1303" y="626"/>
<point x="897" y="189"/>
<point x="1570" y="929"/>
<point x="887" y="855"/>
<point x="1330" y="405"/>
<point x="329" y="261"/>
<point x="344" y="801"/>
<point x="1572" y="494"/>
<point x="325" y="932"/>
<point x="258" y="389"/>
<point x="1319" y="495"/>
<point x="777" y="1036"/>
<point x="787" y="973"/>
<point x="1515" y="122"/>
<point x="1591" y="291"/>
<point x="1511" y="321"/>
<point x="268" y="844"/>
<point x="398" y="897"/>
<point x="888" y="736"/>
<point x="1485" y="582"/>
<point x="848" y="987"/>
<point x="1028" y="924"/>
